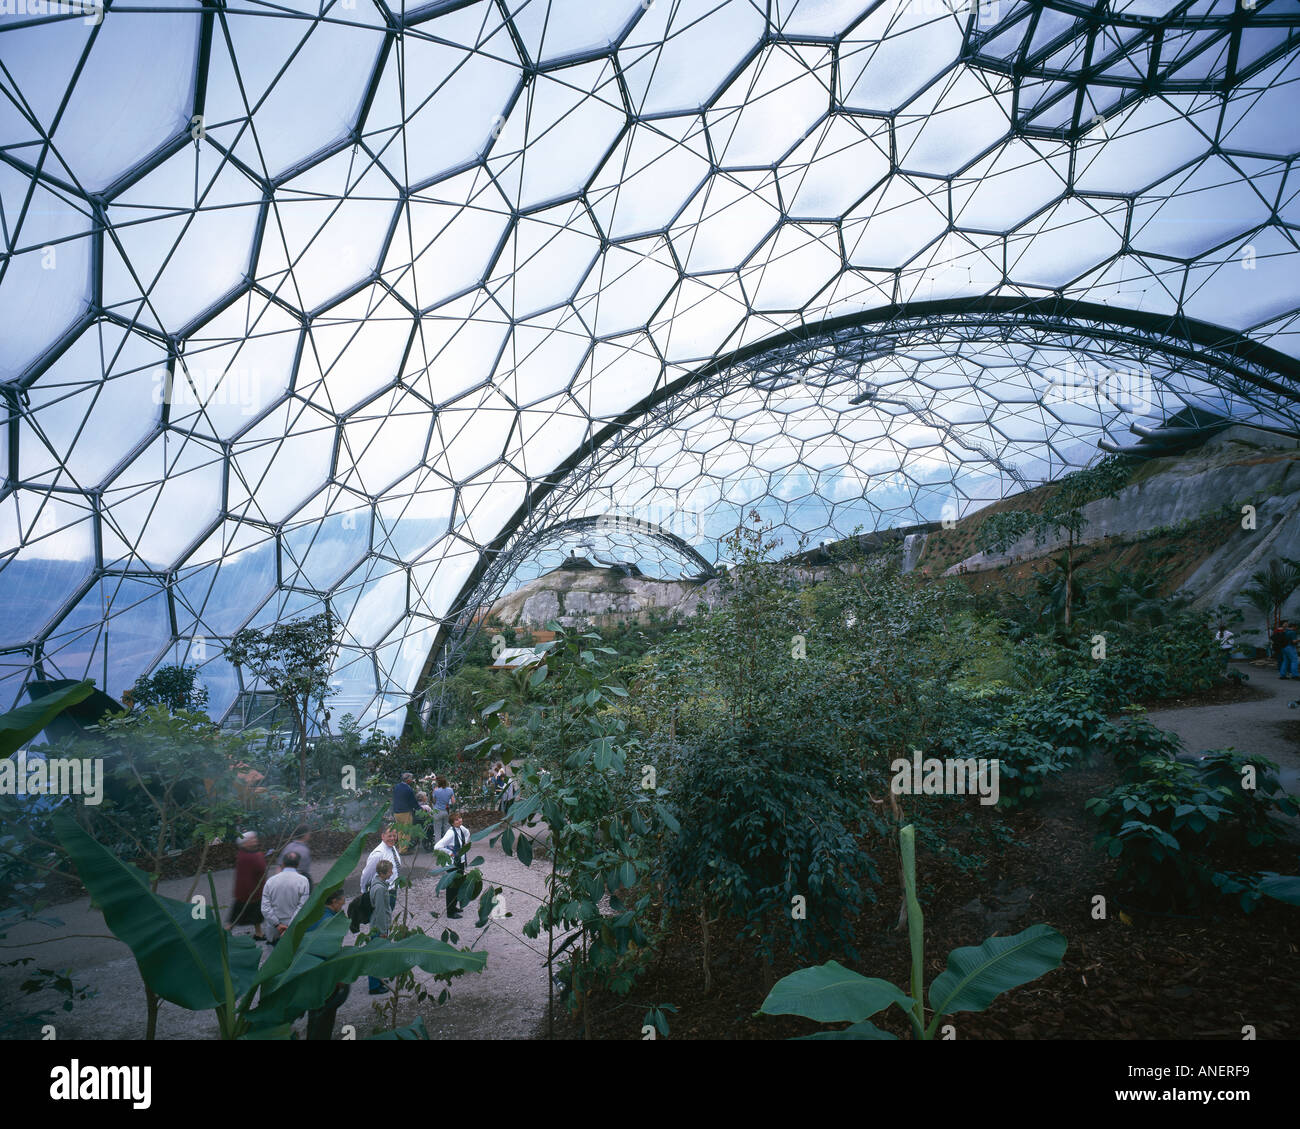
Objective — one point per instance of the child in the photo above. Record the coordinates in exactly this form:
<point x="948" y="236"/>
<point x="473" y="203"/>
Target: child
<point x="381" y="914"/>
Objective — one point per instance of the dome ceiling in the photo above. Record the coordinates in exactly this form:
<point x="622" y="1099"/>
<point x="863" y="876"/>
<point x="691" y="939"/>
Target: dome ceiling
<point x="305" y="304"/>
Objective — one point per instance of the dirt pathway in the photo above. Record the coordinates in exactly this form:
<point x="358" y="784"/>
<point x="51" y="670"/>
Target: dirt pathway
<point x="505" y="1001"/>
<point x="1266" y="727"/>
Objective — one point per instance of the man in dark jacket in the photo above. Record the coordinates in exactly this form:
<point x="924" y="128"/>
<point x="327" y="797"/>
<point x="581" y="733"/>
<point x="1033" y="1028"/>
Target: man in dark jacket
<point x="405" y="804"/>
<point x="1290" y="660"/>
<point x="300" y="846"/>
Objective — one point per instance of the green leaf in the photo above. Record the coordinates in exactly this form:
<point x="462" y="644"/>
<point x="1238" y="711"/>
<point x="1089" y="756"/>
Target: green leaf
<point x="864" y="1030"/>
<point x="492" y="708"/>
<point x="831" y="993"/>
<point x="524" y="849"/>
<point x="1283" y="887"/>
<point x="180" y="958"/>
<point x="413" y="1030"/>
<point x="669" y="820"/>
<point x="20" y="725"/>
<point x="381" y="958"/>
<point x="977" y="975"/>
<point x="538" y="676"/>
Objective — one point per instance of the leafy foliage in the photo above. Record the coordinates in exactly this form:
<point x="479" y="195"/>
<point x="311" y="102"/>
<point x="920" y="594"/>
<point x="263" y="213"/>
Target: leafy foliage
<point x="1166" y="822"/>
<point x="973" y="979"/>
<point x="186" y="957"/>
<point x="294" y="661"/>
<point x="175" y="687"/>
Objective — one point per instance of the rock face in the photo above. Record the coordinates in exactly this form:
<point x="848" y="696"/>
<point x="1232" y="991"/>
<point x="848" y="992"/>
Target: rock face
<point x="600" y="597"/>
<point x="1240" y="467"/>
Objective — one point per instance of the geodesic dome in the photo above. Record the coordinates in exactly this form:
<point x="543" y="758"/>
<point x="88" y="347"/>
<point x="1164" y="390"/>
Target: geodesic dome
<point x="357" y="304"/>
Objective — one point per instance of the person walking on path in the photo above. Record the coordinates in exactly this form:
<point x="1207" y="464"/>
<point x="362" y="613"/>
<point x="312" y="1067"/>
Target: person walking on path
<point x="1223" y="637"/>
<point x="250" y="874"/>
<point x="300" y="847"/>
<point x="1277" y="641"/>
<point x="283" y="896"/>
<point x="1290" y="658"/>
<point x="385" y="851"/>
<point x="456" y="844"/>
<point x="443" y="799"/>
<point x="381" y="916"/>
<point x="405" y="805"/>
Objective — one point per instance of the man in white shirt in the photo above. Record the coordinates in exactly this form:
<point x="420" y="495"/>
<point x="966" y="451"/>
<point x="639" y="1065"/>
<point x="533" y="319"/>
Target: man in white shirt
<point x="283" y="896"/>
<point x="387" y="849"/>
<point x="456" y="844"/>
<point x="1223" y="637"/>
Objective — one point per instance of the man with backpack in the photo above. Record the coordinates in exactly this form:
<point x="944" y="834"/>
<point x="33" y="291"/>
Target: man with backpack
<point x="381" y="913"/>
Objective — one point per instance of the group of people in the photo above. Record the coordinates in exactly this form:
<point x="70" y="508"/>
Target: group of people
<point x="497" y="783"/>
<point x="1284" y="649"/>
<point x="270" y="904"/>
<point x="1282" y="642"/>
<point x="432" y="809"/>
<point x="275" y="901"/>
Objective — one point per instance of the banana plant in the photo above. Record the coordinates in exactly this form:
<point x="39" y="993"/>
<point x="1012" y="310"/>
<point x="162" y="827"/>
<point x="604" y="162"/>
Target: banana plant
<point x="187" y="958"/>
<point x="974" y="978"/>
<point x="20" y="725"/>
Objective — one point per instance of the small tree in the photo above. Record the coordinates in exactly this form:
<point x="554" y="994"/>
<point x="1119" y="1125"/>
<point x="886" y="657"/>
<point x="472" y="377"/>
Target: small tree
<point x="175" y="687"/>
<point x="1271" y="588"/>
<point x="293" y="660"/>
<point x="1061" y="513"/>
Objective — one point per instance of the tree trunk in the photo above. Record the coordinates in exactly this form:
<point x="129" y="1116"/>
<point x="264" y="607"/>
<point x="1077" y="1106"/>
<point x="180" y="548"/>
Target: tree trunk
<point x="550" y="951"/>
<point x="302" y="754"/>
<point x="1069" y="577"/>
<point x="151" y="1013"/>
<point x="704" y="940"/>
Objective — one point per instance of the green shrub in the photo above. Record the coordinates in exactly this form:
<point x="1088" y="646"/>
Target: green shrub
<point x="1131" y="742"/>
<point x="1161" y="828"/>
<point x="1166" y="824"/>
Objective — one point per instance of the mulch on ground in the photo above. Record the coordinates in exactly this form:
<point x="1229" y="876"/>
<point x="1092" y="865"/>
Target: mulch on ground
<point x="1141" y="975"/>
<point x="1225" y="693"/>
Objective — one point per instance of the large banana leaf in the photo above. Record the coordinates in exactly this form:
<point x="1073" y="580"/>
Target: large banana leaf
<point x="180" y="957"/>
<point x="381" y="958"/>
<point x="864" y="1030"/>
<point x="977" y="975"/>
<point x="19" y="726"/>
<point x="831" y="993"/>
<point x="319" y="945"/>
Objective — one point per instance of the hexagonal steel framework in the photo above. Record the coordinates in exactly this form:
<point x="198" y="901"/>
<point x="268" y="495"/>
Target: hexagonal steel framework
<point x="359" y="305"/>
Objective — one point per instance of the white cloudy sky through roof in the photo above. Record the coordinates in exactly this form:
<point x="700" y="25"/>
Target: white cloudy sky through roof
<point x="306" y="304"/>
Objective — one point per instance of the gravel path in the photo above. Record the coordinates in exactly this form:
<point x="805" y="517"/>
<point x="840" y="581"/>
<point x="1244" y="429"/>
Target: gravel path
<point x="507" y="1000"/>
<point x="1258" y="727"/>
